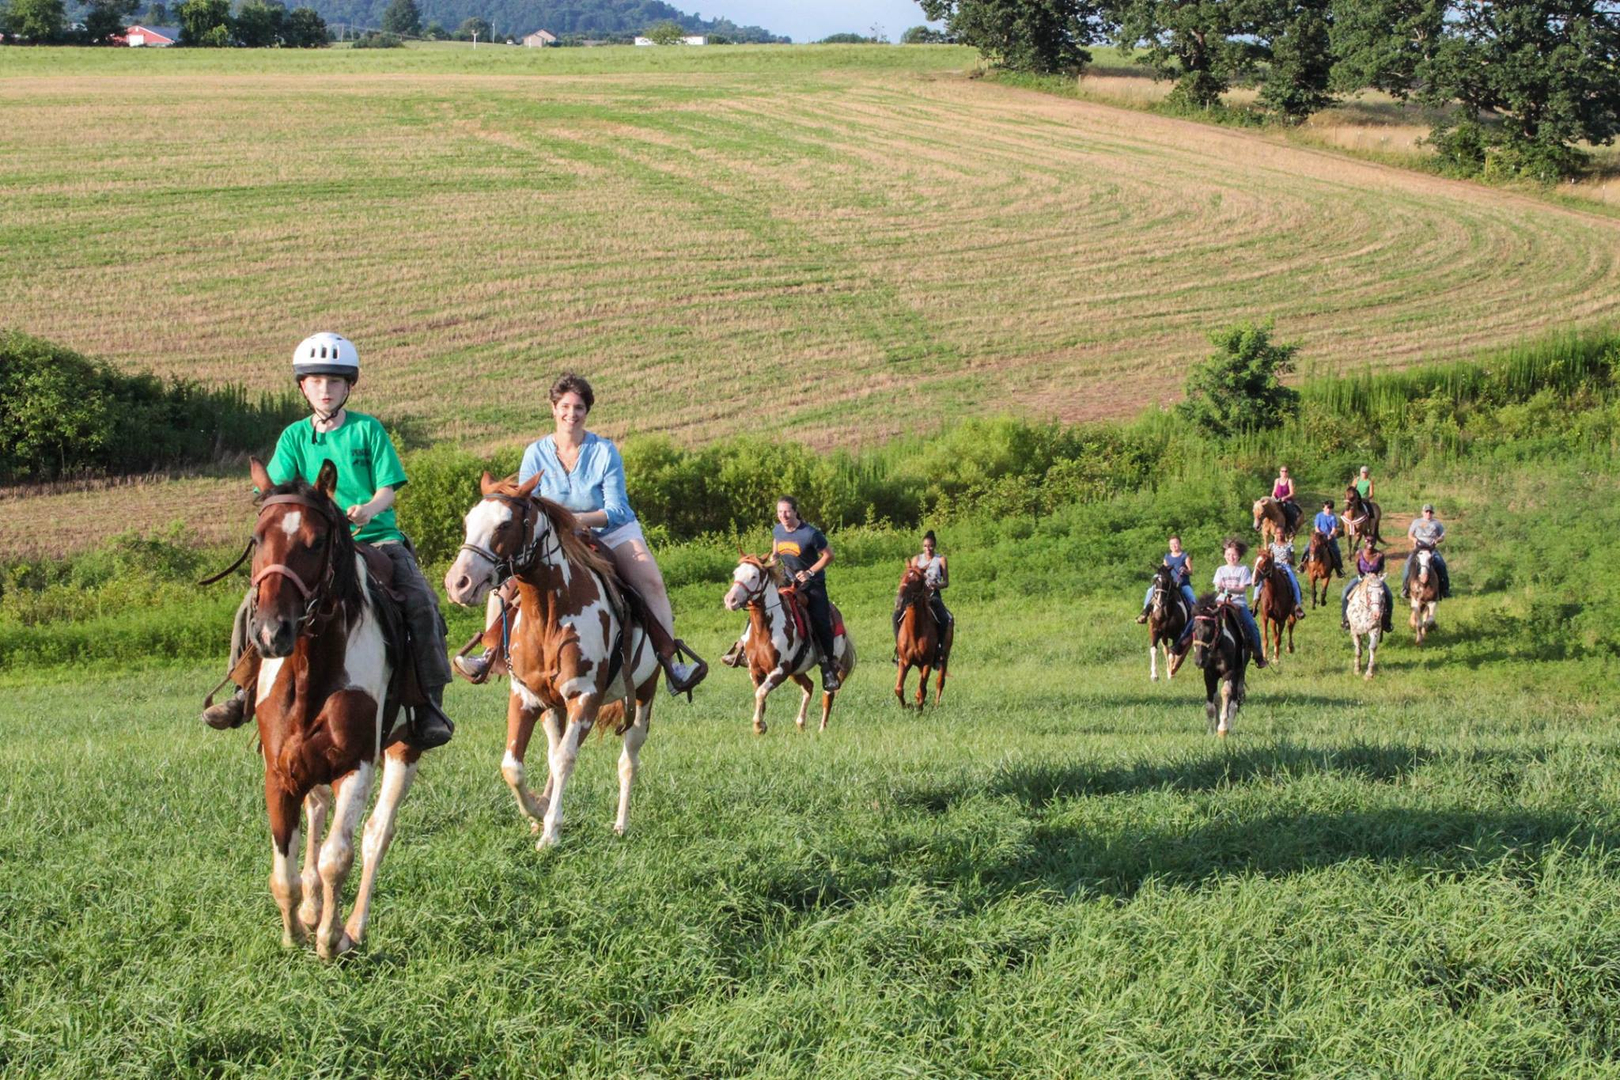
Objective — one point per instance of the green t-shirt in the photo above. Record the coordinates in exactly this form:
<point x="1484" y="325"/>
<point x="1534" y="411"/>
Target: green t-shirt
<point x="365" y="460"/>
<point x="1363" y="487"/>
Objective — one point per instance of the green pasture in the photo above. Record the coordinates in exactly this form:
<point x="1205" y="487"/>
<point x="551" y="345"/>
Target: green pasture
<point x="845" y="243"/>
<point x="1057" y="872"/>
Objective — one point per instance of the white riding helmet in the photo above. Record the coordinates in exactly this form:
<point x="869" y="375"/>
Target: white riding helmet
<point x="327" y="353"/>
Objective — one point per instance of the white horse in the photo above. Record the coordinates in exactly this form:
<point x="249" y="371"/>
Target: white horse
<point x="776" y="647"/>
<point x="1366" y="615"/>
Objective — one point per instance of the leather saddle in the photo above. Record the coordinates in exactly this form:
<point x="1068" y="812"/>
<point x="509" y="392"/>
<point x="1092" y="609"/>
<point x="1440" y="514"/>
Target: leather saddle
<point x="403" y="686"/>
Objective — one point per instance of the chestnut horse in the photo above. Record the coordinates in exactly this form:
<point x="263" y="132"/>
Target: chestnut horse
<point x="1271" y="521"/>
<point x="1318" y="566"/>
<point x="322" y="709"/>
<point x="919" y="643"/>
<point x="778" y="646"/>
<point x="1274" y="601"/>
<point x="1424" y="591"/>
<point x="576" y="650"/>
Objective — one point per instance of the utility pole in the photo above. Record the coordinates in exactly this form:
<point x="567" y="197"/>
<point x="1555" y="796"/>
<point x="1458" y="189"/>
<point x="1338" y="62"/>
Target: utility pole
<point x="475" y="41"/>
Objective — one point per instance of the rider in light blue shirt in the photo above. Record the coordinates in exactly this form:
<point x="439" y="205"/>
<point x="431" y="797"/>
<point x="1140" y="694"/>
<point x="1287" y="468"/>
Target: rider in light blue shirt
<point x="596" y="482"/>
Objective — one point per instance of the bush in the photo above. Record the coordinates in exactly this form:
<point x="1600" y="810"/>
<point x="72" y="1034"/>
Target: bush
<point x="1237" y="389"/>
<point x="62" y="413"/>
<point x="377" y="40"/>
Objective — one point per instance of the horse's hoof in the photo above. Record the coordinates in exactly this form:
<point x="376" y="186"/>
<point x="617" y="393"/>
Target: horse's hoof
<point x="331" y="950"/>
<point x="545" y="842"/>
<point x="534" y="828"/>
<point x="618" y="830"/>
<point x="759" y="729"/>
<point x="1154" y="676"/>
<point x="799" y="724"/>
<point x="1220" y="733"/>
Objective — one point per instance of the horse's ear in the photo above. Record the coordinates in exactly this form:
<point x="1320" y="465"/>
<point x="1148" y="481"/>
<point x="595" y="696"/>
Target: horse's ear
<point x="261" y="475"/>
<point x="526" y="488"/>
<point x="741" y="554"/>
<point x="486" y="483"/>
<point x="326" y="479"/>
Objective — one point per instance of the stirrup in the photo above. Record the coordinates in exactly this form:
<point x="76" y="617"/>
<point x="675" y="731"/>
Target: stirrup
<point x="700" y="670"/>
<point x="475" y="669"/>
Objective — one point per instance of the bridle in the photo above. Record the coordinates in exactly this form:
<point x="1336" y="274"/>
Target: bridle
<point x="315" y="594"/>
<point x="756" y="596"/>
<point x="528" y="553"/>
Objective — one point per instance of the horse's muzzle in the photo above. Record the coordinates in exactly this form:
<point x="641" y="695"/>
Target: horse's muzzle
<point x="274" y="638"/>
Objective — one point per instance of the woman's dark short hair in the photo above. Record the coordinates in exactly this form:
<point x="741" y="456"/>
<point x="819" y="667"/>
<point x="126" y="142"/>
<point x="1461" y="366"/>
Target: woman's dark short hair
<point x="573" y="384"/>
<point x="791" y="501"/>
<point x="929" y="535"/>
<point x="1327" y="504"/>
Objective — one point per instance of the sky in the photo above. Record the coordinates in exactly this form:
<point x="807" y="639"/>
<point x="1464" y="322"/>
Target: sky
<point x="812" y="20"/>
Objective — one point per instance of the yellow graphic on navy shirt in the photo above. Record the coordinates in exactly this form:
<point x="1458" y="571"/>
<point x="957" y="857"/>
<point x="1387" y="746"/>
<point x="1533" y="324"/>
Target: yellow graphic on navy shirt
<point x="787" y="547"/>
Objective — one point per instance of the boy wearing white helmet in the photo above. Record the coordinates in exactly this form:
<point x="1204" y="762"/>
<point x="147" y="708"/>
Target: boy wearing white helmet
<point x="326" y="367"/>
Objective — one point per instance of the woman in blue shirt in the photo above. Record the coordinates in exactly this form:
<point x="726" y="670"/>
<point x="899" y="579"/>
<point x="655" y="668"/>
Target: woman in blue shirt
<point x="584" y="472"/>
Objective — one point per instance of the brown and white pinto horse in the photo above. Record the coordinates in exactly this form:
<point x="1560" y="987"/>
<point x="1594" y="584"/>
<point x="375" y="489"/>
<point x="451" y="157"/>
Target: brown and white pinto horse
<point x="322" y="711"/>
<point x="1271" y="521"/>
<point x="1274" y="601"/>
<point x="1361" y="518"/>
<point x="778" y="648"/>
<point x="919" y="643"/>
<point x="1318" y="565"/>
<point x="1424" y="591"/>
<point x="576" y="650"/>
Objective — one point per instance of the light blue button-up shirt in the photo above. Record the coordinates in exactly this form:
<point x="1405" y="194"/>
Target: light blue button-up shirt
<point x="597" y="482"/>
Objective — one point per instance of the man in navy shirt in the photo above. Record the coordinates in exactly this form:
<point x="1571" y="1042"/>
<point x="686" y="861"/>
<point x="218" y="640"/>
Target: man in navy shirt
<point x="1327" y="523"/>
<point x="802" y="549"/>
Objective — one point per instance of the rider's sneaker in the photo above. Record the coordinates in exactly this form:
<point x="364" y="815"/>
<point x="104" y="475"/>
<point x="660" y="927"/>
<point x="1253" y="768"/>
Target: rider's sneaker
<point x="1344" y="624"/>
<point x="734" y="657"/>
<point x="829" y="678"/>
<point x="429" y="727"/>
<point x="474" y="669"/>
<point x="1299" y="613"/>
<point x="682" y="677"/>
<point x="230" y="713"/>
<point x="1260" y="661"/>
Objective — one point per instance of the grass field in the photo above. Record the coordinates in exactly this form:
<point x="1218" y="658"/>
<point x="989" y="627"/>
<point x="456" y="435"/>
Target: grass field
<point x="1057" y="873"/>
<point x="845" y="243"/>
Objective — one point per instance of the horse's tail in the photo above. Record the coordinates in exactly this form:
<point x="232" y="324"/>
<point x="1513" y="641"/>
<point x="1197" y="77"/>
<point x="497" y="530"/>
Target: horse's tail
<point x="849" y="655"/>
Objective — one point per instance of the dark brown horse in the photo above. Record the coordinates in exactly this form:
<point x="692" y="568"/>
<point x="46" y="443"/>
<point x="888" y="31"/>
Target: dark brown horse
<point x="1424" y="591"/>
<point x="1221" y="649"/>
<point x="1275" y="604"/>
<point x="921" y="642"/>
<point x="1361" y="518"/>
<point x="322" y="709"/>
<point x="1319" y="567"/>
<point x="1167" y="618"/>
<point x="577" y="651"/>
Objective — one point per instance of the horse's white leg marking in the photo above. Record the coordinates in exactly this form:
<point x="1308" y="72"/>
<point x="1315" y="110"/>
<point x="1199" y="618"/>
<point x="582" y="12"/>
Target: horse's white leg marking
<point x="1153" y="662"/>
<point x="337" y="856"/>
<point x="516" y="775"/>
<point x="564" y="752"/>
<point x="770" y="682"/>
<point x="396" y="781"/>
<point x="290" y="522"/>
<point x="316" y="805"/>
<point x="629" y="762"/>
<point x="284" y="886"/>
<point x="807" y="688"/>
<point x="1226" y="709"/>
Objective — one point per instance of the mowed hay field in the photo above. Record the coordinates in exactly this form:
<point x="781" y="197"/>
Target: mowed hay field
<point x="848" y="243"/>
<point x="1057" y="873"/>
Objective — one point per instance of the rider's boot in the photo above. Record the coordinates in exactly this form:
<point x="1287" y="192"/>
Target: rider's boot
<point x="734" y="656"/>
<point x="429" y="726"/>
<point x="475" y="669"/>
<point x="1299" y="612"/>
<point x="230" y="713"/>
<point x="1344" y="623"/>
<point x="829" y="676"/>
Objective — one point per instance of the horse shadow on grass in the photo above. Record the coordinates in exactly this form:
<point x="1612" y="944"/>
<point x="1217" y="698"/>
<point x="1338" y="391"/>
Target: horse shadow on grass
<point x="1036" y="785"/>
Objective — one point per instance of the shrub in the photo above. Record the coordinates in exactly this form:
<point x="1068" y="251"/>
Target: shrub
<point x="1237" y="389"/>
<point x="377" y="40"/>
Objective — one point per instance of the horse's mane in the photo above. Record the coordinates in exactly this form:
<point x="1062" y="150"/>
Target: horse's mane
<point x="774" y="571"/>
<point x="568" y="529"/>
<point x="345" y="579"/>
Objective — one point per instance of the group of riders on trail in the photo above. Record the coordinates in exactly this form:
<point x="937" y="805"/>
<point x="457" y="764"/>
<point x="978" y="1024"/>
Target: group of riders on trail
<point x="1234" y="579"/>
<point x="578" y="469"/>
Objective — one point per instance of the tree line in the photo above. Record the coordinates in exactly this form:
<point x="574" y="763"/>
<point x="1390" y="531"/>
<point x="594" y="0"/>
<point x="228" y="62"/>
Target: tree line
<point x="1521" y="82"/>
<point x="203" y="23"/>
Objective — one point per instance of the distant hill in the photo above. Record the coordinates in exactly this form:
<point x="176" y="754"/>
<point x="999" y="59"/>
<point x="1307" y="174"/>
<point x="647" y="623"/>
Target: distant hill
<point x="575" y="18"/>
